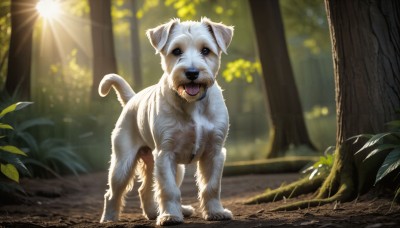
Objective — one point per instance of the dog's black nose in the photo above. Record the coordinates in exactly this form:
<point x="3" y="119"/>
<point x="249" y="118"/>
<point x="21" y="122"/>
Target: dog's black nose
<point x="192" y="73"/>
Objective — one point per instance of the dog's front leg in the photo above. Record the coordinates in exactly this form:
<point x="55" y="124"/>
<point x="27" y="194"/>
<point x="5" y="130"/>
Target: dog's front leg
<point x="209" y="174"/>
<point x="167" y="192"/>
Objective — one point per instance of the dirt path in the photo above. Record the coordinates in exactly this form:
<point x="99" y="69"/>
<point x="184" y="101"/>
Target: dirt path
<point x="67" y="203"/>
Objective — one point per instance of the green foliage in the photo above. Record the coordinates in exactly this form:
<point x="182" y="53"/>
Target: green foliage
<point x="50" y="156"/>
<point x="189" y="9"/>
<point x="68" y="84"/>
<point x="322" y="166"/>
<point x="241" y="68"/>
<point x="5" y="33"/>
<point x="10" y="162"/>
<point x="379" y="157"/>
<point x="307" y="20"/>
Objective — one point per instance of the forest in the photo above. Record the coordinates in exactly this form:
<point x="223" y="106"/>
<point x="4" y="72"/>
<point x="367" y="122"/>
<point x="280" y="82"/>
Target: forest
<point x="312" y="88"/>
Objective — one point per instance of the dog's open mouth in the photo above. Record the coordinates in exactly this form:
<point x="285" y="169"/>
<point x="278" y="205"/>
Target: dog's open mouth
<point x="192" y="88"/>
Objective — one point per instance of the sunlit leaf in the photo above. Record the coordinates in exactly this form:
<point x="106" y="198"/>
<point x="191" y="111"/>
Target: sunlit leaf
<point x="6" y="126"/>
<point x="8" y="109"/>
<point x="391" y="163"/>
<point x="13" y="149"/>
<point x="374" y="140"/>
<point x="381" y="148"/>
<point x="10" y="171"/>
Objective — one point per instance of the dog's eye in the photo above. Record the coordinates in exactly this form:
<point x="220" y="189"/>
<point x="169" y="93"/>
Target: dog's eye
<point x="177" y="52"/>
<point x="205" y="51"/>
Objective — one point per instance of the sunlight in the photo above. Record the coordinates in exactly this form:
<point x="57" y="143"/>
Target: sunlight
<point x="48" y="9"/>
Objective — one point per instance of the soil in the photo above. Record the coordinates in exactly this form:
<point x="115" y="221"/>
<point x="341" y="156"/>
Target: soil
<point x="78" y="202"/>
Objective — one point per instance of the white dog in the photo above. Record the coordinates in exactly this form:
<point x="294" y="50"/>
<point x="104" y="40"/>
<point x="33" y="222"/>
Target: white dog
<point x="181" y="120"/>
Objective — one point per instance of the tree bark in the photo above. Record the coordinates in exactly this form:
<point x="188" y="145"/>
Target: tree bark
<point x="136" y="65"/>
<point x="366" y="58"/>
<point x="104" y="61"/>
<point x="285" y="111"/>
<point x="365" y="38"/>
<point x="23" y="17"/>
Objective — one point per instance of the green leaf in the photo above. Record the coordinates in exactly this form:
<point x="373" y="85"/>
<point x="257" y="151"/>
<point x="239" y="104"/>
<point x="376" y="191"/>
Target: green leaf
<point x="391" y="163"/>
<point x="10" y="171"/>
<point x="33" y="123"/>
<point x="381" y="148"/>
<point x="14" y="107"/>
<point x="13" y="149"/>
<point x="374" y="140"/>
<point x="21" y="105"/>
<point x="6" y="126"/>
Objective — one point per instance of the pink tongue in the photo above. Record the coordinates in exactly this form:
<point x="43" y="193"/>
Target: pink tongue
<point x="192" y="89"/>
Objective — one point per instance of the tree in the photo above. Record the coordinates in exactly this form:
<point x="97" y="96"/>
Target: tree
<point x="23" y="17"/>
<point x="104" y="60"/>
<point x="284" y="105"/>
<point x="365" y="38"/>
<point x="136" y="65"/>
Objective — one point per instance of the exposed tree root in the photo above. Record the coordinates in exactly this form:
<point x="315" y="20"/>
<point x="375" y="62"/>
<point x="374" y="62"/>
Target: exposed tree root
<point x="339" y="185"/>
<point x="344" y="194"/>
<point x="302" y="186"/>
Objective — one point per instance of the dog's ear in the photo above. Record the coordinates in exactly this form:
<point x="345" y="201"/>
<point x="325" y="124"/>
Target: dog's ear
<point x="222" y="34"/>
<point x="158" y="36"/>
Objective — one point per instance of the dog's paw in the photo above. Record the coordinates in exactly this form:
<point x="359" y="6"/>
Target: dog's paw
<point x="151" y="215"/>
<point x="225" y="214"/>
<point x="168" y="220"/>
<point x="187" y="210"/>
<point x="108" y="218"/>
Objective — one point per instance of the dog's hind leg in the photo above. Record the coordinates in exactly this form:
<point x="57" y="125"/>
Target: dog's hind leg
<point x="187" y="210"/>
<point x="121" y="174"/>
<point x="145" y="171"/>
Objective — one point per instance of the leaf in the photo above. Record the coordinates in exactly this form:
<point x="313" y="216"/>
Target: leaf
<point x="14" y="107"/>
<point x="391" y="163"/>
<point x="33" y="122"/>
<point x="13" y="149"/>
<point x="381" y="148"/>
<point x="10" y="171"/>
<point x="6" y="126"/>
<point x="374" y="140"/>
<point x="21" y="105"/>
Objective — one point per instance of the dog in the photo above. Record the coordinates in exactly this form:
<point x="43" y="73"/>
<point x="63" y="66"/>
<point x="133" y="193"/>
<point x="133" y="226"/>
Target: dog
<point x="180" y="120"/>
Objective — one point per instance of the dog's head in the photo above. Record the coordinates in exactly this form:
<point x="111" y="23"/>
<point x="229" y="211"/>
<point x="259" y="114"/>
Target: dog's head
<point x="190" y="54"/>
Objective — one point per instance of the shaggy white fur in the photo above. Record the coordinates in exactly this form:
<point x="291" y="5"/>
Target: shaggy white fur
<point x="181" y="120"/>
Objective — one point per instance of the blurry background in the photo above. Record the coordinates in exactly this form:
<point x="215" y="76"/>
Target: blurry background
<point x="62" y="74"/>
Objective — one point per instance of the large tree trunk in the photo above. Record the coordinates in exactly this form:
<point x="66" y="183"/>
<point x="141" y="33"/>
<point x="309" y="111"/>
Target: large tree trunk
<point x="284" y="105"/>
<point x="136" y="65"/>
<point x="365" y="38"/>
<point x="366" y="60"/>
<point x="23" y="17"/>
<point x="104" y="61"/>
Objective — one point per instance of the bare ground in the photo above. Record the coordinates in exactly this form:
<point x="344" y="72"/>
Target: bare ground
<point x="78" y="203"/>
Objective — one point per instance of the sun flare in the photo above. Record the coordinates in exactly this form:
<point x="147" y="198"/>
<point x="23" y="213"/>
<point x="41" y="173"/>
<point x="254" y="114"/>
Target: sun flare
<point x="48" y="9"/>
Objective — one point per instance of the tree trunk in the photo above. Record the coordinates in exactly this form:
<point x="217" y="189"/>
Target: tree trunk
<point x="366" y="60"/>
<point x="285" y="111"/>
<point x="136" y="65"/>
<point x="365" y="38"/>
<point x="23" y="17"/>
<point x="366" y="56"/>
<point x="104" y="61"/>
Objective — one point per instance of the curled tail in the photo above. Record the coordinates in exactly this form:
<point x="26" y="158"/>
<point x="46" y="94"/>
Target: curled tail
<point x="123" y="90"/>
